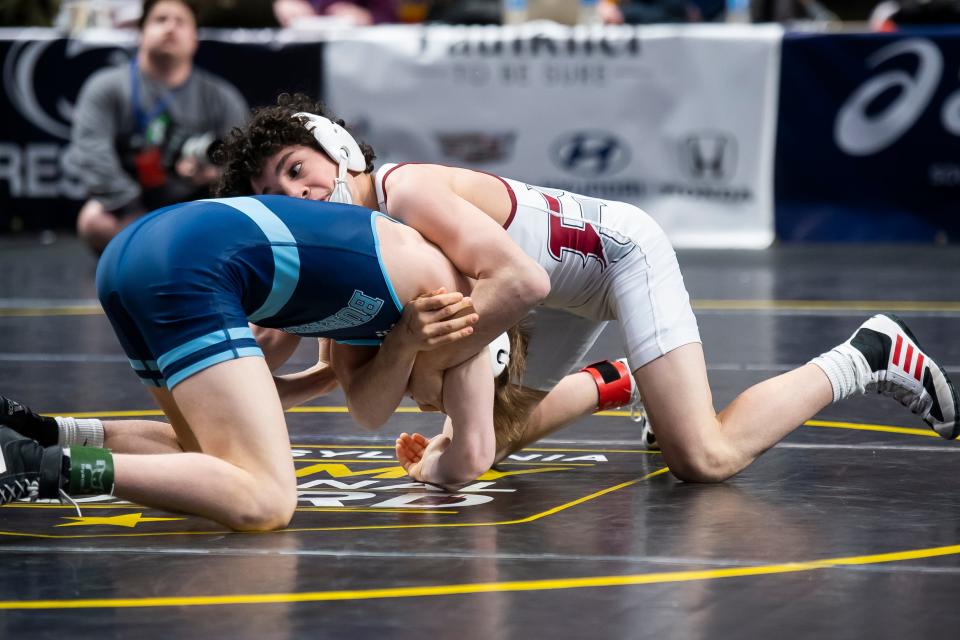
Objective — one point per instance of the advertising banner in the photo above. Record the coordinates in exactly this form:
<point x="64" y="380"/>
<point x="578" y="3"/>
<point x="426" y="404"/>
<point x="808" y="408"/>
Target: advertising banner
<point x="868" y="147"/>
<point x="42" y="76"/>
<point x="678" y="121"/>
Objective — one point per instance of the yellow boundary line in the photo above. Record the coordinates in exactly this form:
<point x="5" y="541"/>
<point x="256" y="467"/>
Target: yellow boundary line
<point x="703" y="304"/>
<point x="871" y="427"/>
<point x="435" y="525"/>
<point x="484" y="587"/>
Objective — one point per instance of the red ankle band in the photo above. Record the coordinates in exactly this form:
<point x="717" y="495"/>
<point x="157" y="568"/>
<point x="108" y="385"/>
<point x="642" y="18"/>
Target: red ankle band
<point x="614" y="384"/>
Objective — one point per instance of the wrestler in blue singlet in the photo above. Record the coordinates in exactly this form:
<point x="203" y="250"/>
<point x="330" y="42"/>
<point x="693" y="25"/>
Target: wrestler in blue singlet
<point x="180" y="285"/>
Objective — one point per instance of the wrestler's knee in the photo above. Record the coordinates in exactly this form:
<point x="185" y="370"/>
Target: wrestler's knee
<point x="701" y="461"/>
<point x="269" y="507"/>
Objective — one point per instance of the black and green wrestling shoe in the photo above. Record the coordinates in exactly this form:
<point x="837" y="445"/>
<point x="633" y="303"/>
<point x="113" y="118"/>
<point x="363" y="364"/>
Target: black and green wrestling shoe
<point x="28" y="470"/>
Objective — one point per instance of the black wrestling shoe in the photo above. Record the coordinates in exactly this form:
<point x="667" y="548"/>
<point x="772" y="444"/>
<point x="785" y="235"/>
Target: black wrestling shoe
<point x="27" y="470"/>
<point x="28" y="423"/>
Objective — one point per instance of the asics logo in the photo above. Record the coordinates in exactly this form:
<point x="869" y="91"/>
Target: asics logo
<point x="861" y="130"/>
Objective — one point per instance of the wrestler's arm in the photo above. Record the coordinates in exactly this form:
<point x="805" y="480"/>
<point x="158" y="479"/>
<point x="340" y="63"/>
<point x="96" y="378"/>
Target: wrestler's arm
<point x="277" y="346"/>
<point x="296" y="388"/>
<point x="375" y="379"/>
<point x="508" y="282"/>
<point x="467" y="446"/>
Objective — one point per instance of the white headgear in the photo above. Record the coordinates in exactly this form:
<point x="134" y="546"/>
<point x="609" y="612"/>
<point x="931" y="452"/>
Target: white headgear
<point x="500" y="354"/>
<point x="342" y="149"/>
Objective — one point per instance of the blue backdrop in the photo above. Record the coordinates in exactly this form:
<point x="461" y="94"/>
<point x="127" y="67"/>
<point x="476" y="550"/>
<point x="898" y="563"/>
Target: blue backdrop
<point x="868" y="142"/>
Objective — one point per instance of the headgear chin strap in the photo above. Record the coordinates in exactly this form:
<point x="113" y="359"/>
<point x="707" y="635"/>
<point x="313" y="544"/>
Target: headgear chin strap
<point x="341" y="191"/>
<point x="342" y="149"/>
<point x="500" y="354"/>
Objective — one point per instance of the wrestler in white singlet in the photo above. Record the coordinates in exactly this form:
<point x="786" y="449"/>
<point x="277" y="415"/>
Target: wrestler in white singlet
<point x="607" y="260"/>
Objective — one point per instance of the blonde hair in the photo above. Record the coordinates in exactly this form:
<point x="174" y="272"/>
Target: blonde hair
<point x="510" y="400"/>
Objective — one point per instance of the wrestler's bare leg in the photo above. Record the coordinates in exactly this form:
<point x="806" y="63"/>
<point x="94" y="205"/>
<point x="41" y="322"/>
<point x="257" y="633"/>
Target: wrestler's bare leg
<point x="701" y="445"/>
<point x="243" y="475"/>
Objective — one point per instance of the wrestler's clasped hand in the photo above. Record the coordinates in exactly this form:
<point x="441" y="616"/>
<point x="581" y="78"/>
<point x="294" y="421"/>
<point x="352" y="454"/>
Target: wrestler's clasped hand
<point x="437" y="318"/>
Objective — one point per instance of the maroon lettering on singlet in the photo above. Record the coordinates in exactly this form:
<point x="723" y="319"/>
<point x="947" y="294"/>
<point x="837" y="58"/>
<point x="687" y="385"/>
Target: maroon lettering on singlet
<point x="582" y="240"/>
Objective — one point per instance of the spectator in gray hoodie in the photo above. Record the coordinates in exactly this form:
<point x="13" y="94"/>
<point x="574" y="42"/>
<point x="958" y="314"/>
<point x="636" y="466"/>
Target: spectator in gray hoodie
<point x="143" y="131"/>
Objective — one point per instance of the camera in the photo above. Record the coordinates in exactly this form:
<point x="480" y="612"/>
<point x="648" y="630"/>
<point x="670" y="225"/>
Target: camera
<point x="186" y="146"/>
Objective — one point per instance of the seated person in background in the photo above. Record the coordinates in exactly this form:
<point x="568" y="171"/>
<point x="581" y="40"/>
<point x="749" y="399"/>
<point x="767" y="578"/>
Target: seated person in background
<point x="142" y="131"/>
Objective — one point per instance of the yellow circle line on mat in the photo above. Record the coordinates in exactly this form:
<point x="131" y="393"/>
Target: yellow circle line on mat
<point x="531" y="518"/>
<point x="483" y="587"/>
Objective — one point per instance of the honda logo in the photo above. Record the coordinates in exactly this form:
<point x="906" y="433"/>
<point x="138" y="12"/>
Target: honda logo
<point x="709" y="155"/>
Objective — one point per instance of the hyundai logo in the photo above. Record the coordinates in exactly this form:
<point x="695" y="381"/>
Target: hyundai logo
<point x="709" y="156"/>
<point x="590" y="153"/>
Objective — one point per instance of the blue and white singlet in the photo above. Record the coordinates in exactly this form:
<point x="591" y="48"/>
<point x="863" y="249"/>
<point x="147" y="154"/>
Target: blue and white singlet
<point x="180" y="284"/>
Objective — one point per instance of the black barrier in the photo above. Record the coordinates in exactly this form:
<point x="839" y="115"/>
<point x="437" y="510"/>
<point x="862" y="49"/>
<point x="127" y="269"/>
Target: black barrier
<point x="43" y="73"/>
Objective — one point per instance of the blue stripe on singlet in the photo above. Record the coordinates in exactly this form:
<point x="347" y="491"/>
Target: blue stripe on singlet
<point x="286" y="256"/>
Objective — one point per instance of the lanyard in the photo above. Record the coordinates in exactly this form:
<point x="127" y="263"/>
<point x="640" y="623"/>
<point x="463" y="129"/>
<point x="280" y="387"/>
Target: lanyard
<point x="141" y="118"/>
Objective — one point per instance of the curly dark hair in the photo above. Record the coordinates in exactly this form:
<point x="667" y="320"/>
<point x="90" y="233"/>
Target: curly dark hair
<point x="244" y="152"/>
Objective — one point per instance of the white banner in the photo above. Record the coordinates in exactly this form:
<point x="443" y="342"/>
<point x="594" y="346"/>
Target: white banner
<point x="680" y="121"/>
